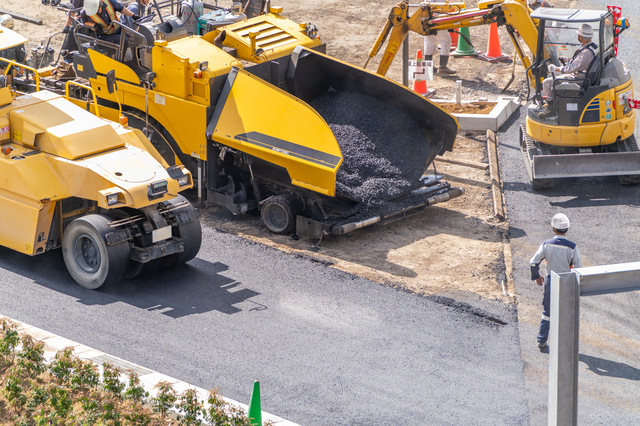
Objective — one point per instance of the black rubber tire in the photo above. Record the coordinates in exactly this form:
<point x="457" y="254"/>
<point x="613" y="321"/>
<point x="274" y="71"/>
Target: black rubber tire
<point x="90" y="262"/>
<point x="278" y="214"/>
<point x="135" y="268"/>
<point x="191" y="234"/>
<point x="629" y="179"/>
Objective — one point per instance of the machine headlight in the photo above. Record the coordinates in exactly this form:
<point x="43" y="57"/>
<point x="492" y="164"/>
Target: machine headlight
<point x="112" y="199"/>
<point x="184" y="180"/>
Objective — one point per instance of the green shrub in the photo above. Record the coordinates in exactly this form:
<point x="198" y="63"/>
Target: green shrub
<point x="163" y="402"/>
<point x="135" y="392"/>
<point x="111" y="380"/>
<point x="9" y="340"/>
<point x="84" y="376"/>
<point x="190" y="407"/>
<point x="31" y="356"/>
<point x="62" y="366"/>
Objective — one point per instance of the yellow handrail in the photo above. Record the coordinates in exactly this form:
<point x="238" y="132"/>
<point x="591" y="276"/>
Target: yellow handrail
<point x="19" y="65"/>
<point x="95" y="98"/>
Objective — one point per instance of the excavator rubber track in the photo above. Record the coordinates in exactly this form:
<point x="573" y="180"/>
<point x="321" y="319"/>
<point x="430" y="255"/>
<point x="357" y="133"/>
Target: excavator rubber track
<point x="531" y="148"/>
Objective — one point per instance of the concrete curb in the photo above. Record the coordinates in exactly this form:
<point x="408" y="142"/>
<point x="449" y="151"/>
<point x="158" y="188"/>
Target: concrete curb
<point x="148" y="378"/>
<point x="505" y="106"/>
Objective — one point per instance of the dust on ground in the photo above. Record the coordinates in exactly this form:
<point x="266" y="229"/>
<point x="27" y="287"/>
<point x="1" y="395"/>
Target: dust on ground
<point x="454" y="248"/>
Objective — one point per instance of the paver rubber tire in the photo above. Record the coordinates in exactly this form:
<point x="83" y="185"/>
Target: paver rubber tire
<point x="278" y="214"/>
<point x="89" y="260"/>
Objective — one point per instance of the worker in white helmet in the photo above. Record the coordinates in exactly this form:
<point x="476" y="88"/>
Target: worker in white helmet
<point x="15" y="53"/>
<point x="561" y="255"/>
<point x="575" y="69"/>
<point x="101" y="16"/>
<point x="6" y="21"/>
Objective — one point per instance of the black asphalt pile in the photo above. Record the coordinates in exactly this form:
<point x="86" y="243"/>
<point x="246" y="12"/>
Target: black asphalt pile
<point x="384" y="151"/>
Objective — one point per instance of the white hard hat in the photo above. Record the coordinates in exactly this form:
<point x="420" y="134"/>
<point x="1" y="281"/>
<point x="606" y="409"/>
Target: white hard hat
<point x="585" y="31"/>
<point x="91" y="6"/>
<point x="6" y="21"/>
<point x="560" y="221"/>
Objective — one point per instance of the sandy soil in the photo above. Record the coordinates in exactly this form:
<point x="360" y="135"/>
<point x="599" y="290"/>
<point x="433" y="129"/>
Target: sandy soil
<point x="453" y="249"/>
<point x="453" y="108"/>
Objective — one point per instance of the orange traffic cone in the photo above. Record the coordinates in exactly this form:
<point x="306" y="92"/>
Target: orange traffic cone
<point x="454" y="40"/>
<point x="494" y="51"/>
<point x="419" y="86"/>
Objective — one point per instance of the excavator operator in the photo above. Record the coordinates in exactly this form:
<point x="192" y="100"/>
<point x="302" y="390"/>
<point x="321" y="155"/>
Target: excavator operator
<point x="101" y="15"/>
<point x="575" y="69"/>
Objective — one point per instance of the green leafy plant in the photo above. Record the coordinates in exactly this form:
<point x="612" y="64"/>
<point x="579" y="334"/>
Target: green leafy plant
<point x="90" y="410"/>
<point x="135" y="392"/>
<point x="110" y="414"/>
<point x="190" y="407"/>
<point x="31" y="356"/>
<point x="9" y="339"/>
<point x="137" y="415"/>
<point x="221" y="413"/>
<point x="13" y="391"/>
<point x="37" y="397"/>
<point x="62" y="365"/>
<point x="111" y="380"/>
<point x="84" y="376"/>
<point x="165" y="399"/>
<point x="61" y="402"/>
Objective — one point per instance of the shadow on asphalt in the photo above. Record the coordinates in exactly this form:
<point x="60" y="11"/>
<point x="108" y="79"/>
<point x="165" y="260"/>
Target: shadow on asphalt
<point x="605" y="367"/>
<point x="516" y="232"/>
<point x="193" y="288"/>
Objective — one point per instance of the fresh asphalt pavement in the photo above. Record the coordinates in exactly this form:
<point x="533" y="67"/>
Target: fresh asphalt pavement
<point x="605" y="224"/>
<point x="329" y="348"/>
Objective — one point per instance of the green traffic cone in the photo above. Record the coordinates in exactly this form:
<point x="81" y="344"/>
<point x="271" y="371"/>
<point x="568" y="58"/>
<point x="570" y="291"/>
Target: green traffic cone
<point x="464" y="48"/>
<point x="255" y="412"/>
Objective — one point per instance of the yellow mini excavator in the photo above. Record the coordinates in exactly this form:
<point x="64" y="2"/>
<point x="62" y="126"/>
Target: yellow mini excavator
<point x="250" y="109"/>
<point x="89" y="186"/>
<point x="591" y="130"/>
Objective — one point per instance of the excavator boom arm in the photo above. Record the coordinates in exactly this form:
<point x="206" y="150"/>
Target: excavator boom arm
<point x="433" y="17"/>
<point x="400" y="23"/>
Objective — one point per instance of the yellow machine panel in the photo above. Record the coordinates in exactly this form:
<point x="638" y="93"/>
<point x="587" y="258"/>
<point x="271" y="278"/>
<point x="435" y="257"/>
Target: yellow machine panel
<point x="57" y="127"/>
<point x="312" y="162"/>
<point x="275" y="35"/>
<point x="74" y="181"/>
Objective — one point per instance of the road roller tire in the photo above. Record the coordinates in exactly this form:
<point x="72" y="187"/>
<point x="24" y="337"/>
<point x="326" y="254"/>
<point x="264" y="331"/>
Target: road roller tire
<point x="89" y="260"/>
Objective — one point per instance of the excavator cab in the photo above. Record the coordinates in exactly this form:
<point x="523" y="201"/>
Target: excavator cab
<point x="558" y="44"/>
<point x="590" y="113"/>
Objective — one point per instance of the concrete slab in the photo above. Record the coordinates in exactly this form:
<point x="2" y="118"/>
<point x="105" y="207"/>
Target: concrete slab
<point x="505" y="106"/>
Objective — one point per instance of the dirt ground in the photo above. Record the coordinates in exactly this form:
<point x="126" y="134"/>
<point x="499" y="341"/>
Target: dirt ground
<point x="453" y="249"/>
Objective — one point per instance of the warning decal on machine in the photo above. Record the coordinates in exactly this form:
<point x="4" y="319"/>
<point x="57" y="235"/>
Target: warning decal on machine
<point x="4" y="129"/>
